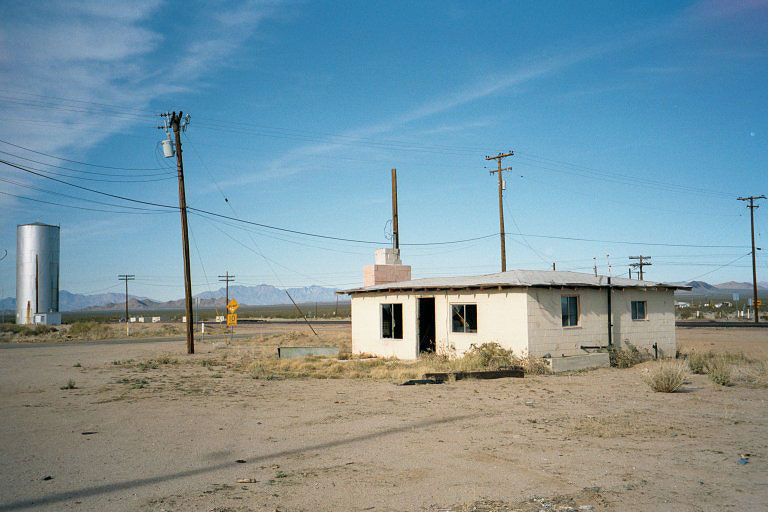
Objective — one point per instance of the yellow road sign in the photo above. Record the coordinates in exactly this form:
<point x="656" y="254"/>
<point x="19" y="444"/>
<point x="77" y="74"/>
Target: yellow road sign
<point x="759" y="302"/>
<point x="232" y="305"/>
<point x="231" y="319"/>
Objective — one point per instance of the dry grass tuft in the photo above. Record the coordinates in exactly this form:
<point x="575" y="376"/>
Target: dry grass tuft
<point x="488" y="356"/>
<point x="729" y="368"/>
<point x="665" y="377"/>
<point x="627" y="357"/>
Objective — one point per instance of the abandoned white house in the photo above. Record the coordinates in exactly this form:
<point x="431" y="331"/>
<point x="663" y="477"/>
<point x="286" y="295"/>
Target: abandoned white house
<point x="538" y="313"/>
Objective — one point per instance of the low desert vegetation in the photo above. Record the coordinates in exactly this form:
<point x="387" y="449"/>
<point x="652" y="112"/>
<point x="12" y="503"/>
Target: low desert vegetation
<point x="69" y="385"/>
<point x="665" y="377"/>
<point x="26" y="330"/>
<point x="89" y="330"/>
<point x="729" y="368"/>
<point x="628" y="356"/>
<point x="488" y="356"/>
<point x="136" y="383"/>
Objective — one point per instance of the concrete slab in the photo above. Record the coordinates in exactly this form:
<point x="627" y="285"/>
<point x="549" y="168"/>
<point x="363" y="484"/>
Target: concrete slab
<point x="297" y="352"/>
<point x="581" y="362"/>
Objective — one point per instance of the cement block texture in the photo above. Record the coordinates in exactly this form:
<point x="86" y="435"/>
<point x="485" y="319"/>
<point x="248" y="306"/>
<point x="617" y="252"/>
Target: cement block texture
<point x="580" y="362"/>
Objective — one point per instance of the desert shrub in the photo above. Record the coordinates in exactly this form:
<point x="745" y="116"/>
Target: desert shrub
<point x="754" y="375"/>
<point x="26" y="330"/>
<point x="626" y="357"/>
<point x="665" y="377"/>
<point x="534" y="365"/>
<point x="69" y="385"/>
<point x="697" y="362"/>
<point x="719" y="371"/>
<point x="89" y="329"/>
<point x="488" y="356"/>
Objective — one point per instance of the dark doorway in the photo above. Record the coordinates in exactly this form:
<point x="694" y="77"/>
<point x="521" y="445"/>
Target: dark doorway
<point x="426" y="324"/>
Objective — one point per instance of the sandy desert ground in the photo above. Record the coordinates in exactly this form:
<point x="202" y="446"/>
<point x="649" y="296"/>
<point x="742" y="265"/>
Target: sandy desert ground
<point x="163" y="431"/>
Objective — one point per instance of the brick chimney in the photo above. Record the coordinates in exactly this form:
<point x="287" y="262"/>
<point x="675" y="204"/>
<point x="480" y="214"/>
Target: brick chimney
<point x="387" y="268"/>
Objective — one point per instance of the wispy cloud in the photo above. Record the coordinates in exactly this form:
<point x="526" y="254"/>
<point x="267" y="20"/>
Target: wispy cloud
<point x="537" y="68"/>
<point x="106" y="53"/>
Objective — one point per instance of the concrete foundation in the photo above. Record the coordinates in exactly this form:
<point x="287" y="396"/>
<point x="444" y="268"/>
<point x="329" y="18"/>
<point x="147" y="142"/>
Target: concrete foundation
<point x="581" y="362"/>
<point x="298" y="352"/>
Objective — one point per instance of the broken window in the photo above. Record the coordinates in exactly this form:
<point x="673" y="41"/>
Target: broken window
<point x="464" y="317"/>
<point x="570" y="310"/>
<point x="638" y="310"/>
<point x="392" y="321"/>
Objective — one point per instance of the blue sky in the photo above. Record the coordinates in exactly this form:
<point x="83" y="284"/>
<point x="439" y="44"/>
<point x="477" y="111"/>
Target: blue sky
<point x="631" y="122"/>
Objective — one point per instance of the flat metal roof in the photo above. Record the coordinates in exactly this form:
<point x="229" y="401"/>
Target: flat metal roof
<point x="513" y="279"/>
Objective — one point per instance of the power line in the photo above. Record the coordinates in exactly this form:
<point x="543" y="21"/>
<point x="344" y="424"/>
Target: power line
<point x="78" y="207"/>
<point x="625" y="242"/>
<point x="343" y="239"/>
<point x="718" y="268"/>
<point x="25" y="169"/>
<point x="61" y="194"/>
<point x="63" y="175"/>
<point x="79" y="162"/>
<point x="85" y="172"/>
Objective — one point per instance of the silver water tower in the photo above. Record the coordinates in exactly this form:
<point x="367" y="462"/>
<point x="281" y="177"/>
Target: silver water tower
<point x="37" y="274"/>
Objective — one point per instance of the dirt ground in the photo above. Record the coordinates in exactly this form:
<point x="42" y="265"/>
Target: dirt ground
<point x="752" y="341"/>
<point x="148" y="428"/>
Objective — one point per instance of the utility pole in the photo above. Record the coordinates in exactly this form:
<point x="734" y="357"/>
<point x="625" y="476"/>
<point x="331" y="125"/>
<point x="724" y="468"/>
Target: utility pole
<point x="126" y="278"/>
<point x="499" y="158"/>
<point x="642" y="262"/>
<point x="395" y="228"/>
<point x="752" y="207"/>
<point x="226" y="278"/>
<point x="594" y="259"/>
<point x="178" y="123"/>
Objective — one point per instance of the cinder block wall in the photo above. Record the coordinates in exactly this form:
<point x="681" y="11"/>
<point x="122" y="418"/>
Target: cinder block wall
<point x="546" y="333"/>
<point x="659" y="326"/>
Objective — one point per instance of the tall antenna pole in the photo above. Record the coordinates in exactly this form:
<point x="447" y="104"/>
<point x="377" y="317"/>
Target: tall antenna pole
<point x="126" y="278"/>
<point x="178" y="124"/>
<point x="752" y="207"/>
<point x="395" y="229"/>
<point x="499" y="158"/>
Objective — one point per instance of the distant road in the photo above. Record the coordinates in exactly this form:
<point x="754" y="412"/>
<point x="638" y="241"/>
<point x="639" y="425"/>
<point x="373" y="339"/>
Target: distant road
<point x="292" y="322"/>
<point x="269" y="328"/>
<point x="720" y="324"/>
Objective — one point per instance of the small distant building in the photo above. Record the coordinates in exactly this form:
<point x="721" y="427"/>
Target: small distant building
<point x="540" y="313"/>
<point x="682" y="304"/>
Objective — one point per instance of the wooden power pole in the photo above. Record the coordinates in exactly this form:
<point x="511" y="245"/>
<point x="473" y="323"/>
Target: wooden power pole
<point x="752" y="207"/>
<point x="178" y="123"/>
<point x="499" y="158"/>
<point x="642" y="262"/>
<point x="395" y="228"/>
<point x="226" y="278"/>
<point x="126" y="278"/>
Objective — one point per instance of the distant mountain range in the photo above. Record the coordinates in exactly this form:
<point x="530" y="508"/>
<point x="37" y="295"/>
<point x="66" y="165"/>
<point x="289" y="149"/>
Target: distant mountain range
<point x="260" y="295"/>
<point x="265" y="294"/>
<point x="702" y="288"/>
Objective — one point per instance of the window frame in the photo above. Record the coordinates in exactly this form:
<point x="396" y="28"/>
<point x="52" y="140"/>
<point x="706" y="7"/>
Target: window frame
<point x="465" y="323"/>
<point x="395" y="326"/>
<point x="633" y="310"/>
<point x="578" y="311"/>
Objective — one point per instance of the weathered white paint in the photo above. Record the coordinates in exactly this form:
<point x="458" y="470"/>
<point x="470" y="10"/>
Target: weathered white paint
<point x="501" y="318"/>
<point x="525" y="320"/>
<point x="366" y="327"/>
